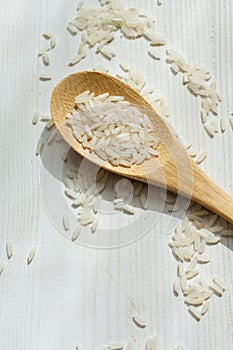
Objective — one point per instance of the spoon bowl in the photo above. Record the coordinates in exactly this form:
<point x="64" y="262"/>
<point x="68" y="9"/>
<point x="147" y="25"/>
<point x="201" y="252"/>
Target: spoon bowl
<point x="173" y="169"/>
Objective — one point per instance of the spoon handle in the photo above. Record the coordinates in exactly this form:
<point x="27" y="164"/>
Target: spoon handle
<point x="211" y="196"/>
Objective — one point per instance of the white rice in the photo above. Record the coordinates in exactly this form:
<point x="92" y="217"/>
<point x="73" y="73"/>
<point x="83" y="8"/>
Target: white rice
<point x="39" y="146"/>
<point x="95" y="225"/>
<point x="36" y="117"/>
<point x="188" y="244"/>
<point x="223" y="124"/>
<point x="76" y="234"/>
<point x="43" y="50"/>
<point x="100" y="25"/>
<point x="185" y="79"/>
<point x="112" y="128"/>
<point x="203" y="259"/>
<point x="203" y="116"/>
<point x="108" y="52"/>
<point x="154" y="54"/>
<point x="50" y="124"/>
<point x="52" y="137"/>
<point x="66" y="222"/>
<point x="101" y="68"/>
<point x="71" y="193"/>
<point x="205" y="308"/>
<point x="125" y="67"/>
<point x="9" y="250"/>
<point x="45" y="77"/>
<point x="209" y="129"/>
<point x="217" y="280"/>
<point x="46" y="59"/>
<point x="231" y="122"/>
<point x="86" y="215"/>
<point x="176" y="286"/>
<point x="47" y="35"/>
<point x="1" y="268"/>
<point x="192" y="153"/>
<point x="216" y="288"/>
<point x="201" y="157"/>
<point x="63" y="155"/>
<point x="191" y="274"/>
<point x="199" y="82"/>
<point x="45" y="118"/>
<point x="139" y="320"/>
<point x="53" y="41"/>
<point x="174" y="69"/>
<point x="192" y="265"/>
<point x="116" y="346"/>
<point x="128" y="210"/>
<point x="72" y="29"/>
<point x="195" y="312"/>
<point x="76" y="59"/>
<point x="31" y="255"/>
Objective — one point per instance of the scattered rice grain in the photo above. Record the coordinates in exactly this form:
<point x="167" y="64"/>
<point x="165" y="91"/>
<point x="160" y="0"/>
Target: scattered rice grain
<point x="72" y="29"/>
<point x="116" y="346"/>
<point x="45" y="118"/>
<point x="174" y="69"/>
<point x="53" y="41"/>
<point x="50" y="124"/>
<point x="217" y="280"/>
<point x="43" y="50"/>
<point x="31" y="255"/>
<point x="46" y="58"/>
<point x="45" y="77"/>
<point x="216" y="288"/>
<point x="205" y="308"/>
<point x="139" y="320"/>
<point x="201" y="157"/>
<point x="47" y="35"/>
<point x="66" y="222"/>
<point x="154" y="54"/>
<point x="209" y="129"/>
<point x="39" y="146"/>
<point x="76" y="234"/>
<point x="223" y="124"/>
<point x="9" y="250"/>
<point x="194" y="312"/>
<point x="35" y="118"/>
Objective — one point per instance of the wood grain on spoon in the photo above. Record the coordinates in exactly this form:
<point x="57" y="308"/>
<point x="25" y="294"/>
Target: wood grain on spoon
<point x="173" y="169"/>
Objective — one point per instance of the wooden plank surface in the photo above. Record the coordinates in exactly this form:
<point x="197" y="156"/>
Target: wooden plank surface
<point x="72" y="294"/>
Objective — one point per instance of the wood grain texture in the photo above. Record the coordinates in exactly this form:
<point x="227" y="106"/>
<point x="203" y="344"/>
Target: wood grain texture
<point x="71" y="294"/>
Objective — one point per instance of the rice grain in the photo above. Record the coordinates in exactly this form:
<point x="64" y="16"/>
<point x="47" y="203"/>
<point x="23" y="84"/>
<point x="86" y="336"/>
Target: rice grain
<point x="66" y="222"/>
<point x="116" y="346"/>
<point x="35" y="118"/>
<point x="31" y="255"/>
<point x="195" y="312"/>
<point x="201" y="157"/>
<point x="46" y="59"/>
<point x="45" y="77"/>
<point x="139" y="320"/>
<point x="9" y="250"/>
<point x="53" y="41"/>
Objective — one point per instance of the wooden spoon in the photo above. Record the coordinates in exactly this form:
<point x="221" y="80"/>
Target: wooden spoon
<point x="173" y="169"/>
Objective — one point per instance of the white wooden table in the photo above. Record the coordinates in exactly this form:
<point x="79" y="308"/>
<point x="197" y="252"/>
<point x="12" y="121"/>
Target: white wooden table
<point x="72" y="294"/>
